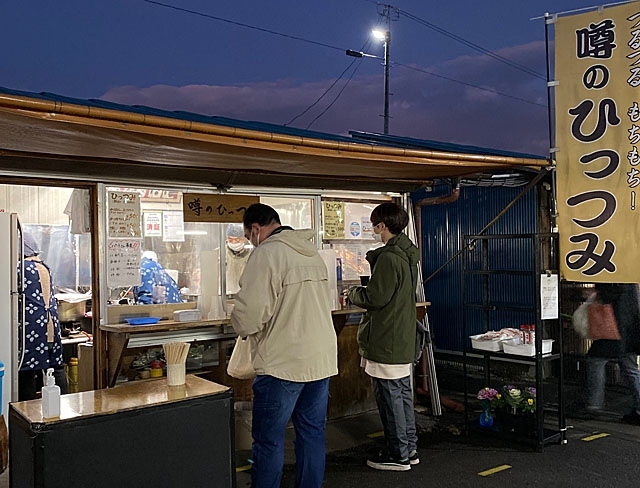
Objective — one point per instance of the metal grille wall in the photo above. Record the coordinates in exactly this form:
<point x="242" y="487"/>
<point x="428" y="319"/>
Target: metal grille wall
<point x="442" y="229"/>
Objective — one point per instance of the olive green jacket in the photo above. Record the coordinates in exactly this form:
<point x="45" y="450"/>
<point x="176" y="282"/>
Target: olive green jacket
<point x="387" y="331"/>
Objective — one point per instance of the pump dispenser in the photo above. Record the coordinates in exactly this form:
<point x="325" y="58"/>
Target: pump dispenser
<point x="50" y="397"/>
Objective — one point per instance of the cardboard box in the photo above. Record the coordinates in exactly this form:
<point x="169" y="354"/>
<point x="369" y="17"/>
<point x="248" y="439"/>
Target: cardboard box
<point x="85" y="366"/>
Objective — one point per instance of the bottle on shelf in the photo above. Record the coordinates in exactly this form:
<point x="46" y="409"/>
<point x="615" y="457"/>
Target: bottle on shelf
<point x="73" y="375"/>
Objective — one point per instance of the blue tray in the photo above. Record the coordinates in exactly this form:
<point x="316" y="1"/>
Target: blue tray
<point x="142" y="320"/>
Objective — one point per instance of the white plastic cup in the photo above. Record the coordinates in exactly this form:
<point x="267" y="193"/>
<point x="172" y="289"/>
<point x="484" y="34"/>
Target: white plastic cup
<point x="176" y="374"/>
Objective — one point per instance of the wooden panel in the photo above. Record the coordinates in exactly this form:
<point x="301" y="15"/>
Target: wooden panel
<point x="351" y="392"/>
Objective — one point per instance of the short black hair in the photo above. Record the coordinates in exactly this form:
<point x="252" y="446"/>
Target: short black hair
<point x="393" y="216"/>
<point x="261" y="214"/>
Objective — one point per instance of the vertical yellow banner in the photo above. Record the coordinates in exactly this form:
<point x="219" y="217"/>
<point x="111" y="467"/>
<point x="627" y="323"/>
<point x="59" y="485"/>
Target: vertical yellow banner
<point x="597" y="65"/>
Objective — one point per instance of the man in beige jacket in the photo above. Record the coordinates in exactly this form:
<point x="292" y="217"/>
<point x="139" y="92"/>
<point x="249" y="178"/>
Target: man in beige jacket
<point x="284" y="307"/>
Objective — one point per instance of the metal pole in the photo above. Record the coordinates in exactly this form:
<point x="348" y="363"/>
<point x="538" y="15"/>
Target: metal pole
<point x="387" y="42"/>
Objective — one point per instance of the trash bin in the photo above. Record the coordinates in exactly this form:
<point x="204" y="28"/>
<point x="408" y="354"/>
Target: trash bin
<point x="244" y="416"/>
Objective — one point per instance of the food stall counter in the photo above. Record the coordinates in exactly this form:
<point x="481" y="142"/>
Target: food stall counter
<point x="139" y="434"/>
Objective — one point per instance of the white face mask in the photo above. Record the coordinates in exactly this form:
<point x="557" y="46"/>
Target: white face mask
<point x="257" y="243"/>
<point x="236" y="246"/>
<point x="377" y="237"/>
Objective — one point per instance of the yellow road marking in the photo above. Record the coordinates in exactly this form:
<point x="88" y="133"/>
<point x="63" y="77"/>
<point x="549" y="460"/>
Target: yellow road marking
<point x="375" y="434"/>
<point x="495" y="470"/>
<point x="240" y="469"/>
<point x="594" y="437"/>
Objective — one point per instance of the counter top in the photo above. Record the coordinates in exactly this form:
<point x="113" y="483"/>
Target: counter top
<point x="163" y="326"/>
<point x="130" y="396"/>
<point x="352" y="309"/>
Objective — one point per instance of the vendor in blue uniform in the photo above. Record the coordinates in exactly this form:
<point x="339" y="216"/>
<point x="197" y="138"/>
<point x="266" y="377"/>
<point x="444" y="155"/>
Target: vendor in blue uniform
<point x="153" y="274"/>
<point x="40" y="339"/>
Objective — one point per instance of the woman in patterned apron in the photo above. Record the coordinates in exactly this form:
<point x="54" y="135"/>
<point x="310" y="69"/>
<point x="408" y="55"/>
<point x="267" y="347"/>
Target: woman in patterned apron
<point x="39" y="338"/>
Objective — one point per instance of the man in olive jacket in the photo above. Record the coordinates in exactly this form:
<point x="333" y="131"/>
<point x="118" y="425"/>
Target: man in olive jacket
<point x="387" y="334"/>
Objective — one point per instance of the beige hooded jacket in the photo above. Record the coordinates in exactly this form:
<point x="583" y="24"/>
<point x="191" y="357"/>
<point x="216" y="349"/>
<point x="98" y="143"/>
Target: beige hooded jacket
<point x="284" y="307"/>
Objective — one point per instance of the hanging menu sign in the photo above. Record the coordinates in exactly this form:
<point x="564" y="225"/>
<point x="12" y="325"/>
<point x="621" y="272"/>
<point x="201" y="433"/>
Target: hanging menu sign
<point x="124" y="214"/>
<point x="205" y="207"/>
<point x="123" y="262"/>
<point x="333" y="220"/>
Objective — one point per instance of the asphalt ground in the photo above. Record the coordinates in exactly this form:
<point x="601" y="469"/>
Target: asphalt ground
<point x="599" y="452"/>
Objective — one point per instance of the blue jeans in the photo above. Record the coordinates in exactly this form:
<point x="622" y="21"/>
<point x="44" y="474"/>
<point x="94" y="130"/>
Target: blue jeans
<point x="275" y="401"/>
<point x="596" y="379"/>
<point x="395" y="406"/>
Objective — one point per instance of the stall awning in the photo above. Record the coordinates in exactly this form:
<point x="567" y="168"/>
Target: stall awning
<point x="54" y="135"/>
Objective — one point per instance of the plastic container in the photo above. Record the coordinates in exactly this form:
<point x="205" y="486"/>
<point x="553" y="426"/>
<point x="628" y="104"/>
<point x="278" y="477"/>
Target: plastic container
<point x="176" y="374"/>
<point x="493" y="345"/>
<point x="528" y="349"/>
<point x="50" y="397"/>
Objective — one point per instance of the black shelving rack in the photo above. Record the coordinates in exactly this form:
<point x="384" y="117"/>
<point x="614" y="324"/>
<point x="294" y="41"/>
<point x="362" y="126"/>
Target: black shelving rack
<point x="501" y="280"/>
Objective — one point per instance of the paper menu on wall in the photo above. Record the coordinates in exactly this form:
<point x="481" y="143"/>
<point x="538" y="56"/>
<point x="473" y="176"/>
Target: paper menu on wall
<point x="124" y="214"/>
<point x="549" y="296"/>
<point x="123" y="262"/>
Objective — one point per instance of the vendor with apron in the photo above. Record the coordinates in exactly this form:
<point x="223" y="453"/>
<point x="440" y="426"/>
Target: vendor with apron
<point x="39" y="337"/>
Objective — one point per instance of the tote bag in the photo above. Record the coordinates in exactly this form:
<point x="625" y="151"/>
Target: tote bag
<point x="602" y="322"/>
<point x="580" y="318"/>
<point x="240" y="365"/>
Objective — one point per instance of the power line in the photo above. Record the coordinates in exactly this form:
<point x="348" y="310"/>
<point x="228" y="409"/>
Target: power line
<point x="336" y="97"/>
<point x="317" y="43"/>
<point x="472" y="45"/>
<point x="469" y="84"/>
<point x="240" y="24"/>
<point x="323" y="94"/>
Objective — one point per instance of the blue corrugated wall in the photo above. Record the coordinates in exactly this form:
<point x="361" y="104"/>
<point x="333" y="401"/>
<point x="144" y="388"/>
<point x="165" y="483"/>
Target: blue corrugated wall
<point x="442" y="229"/>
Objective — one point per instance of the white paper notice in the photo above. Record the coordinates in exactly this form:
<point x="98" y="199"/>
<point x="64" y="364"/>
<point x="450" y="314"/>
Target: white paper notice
<point x="123" y="267"/>
<point x="172" y="226"/>
<point x="549" y="296"/>
<point x="152" y="224"/>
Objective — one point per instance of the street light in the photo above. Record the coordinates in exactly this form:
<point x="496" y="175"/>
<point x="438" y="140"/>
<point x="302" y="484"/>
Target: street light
<point x="384" y="36"/>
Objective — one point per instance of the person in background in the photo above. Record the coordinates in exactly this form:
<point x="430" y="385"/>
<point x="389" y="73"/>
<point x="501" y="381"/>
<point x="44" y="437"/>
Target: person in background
<point x="152" y="275"/>
<point x="237" y="253"/>
<point x="387" y="334"/>
<point x="625" y="299"/>
<point x="284" y="307"/>
<point x="39" y="337"/>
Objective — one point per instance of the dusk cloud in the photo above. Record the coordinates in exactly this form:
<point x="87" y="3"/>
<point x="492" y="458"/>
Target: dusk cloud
<point x="423" y="106"/>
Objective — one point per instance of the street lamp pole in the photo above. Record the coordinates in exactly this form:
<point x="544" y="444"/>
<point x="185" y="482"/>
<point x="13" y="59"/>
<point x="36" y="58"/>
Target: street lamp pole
<point x="387" y="41"/>
<point x="386" y="38"/>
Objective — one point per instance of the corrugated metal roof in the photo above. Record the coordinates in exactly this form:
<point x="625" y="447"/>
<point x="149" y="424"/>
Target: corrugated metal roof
<point x="53" y="134"/>
<point x="190" y="116"/>
<point x="399" y="141"/>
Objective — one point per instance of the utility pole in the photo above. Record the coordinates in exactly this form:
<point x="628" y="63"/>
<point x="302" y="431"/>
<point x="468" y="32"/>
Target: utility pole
<point x="387" y="42"/>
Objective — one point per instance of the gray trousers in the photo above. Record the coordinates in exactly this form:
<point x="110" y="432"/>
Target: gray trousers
<point x="395" y="405"/>
<point x="596" y="378"/>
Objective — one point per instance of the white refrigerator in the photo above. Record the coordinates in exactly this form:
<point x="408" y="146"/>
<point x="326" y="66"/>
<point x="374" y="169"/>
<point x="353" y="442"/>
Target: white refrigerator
<point x="10" y="261"/>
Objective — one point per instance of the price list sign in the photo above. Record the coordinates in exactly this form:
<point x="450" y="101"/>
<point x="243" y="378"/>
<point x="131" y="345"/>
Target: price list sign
<point x="123" y="258"/>
<point x="333" y="220"/>
<point x="124" y="214"/>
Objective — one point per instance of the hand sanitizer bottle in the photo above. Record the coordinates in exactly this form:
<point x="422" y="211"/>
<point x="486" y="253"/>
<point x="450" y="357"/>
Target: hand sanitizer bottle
<point x="50" y="397"/>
